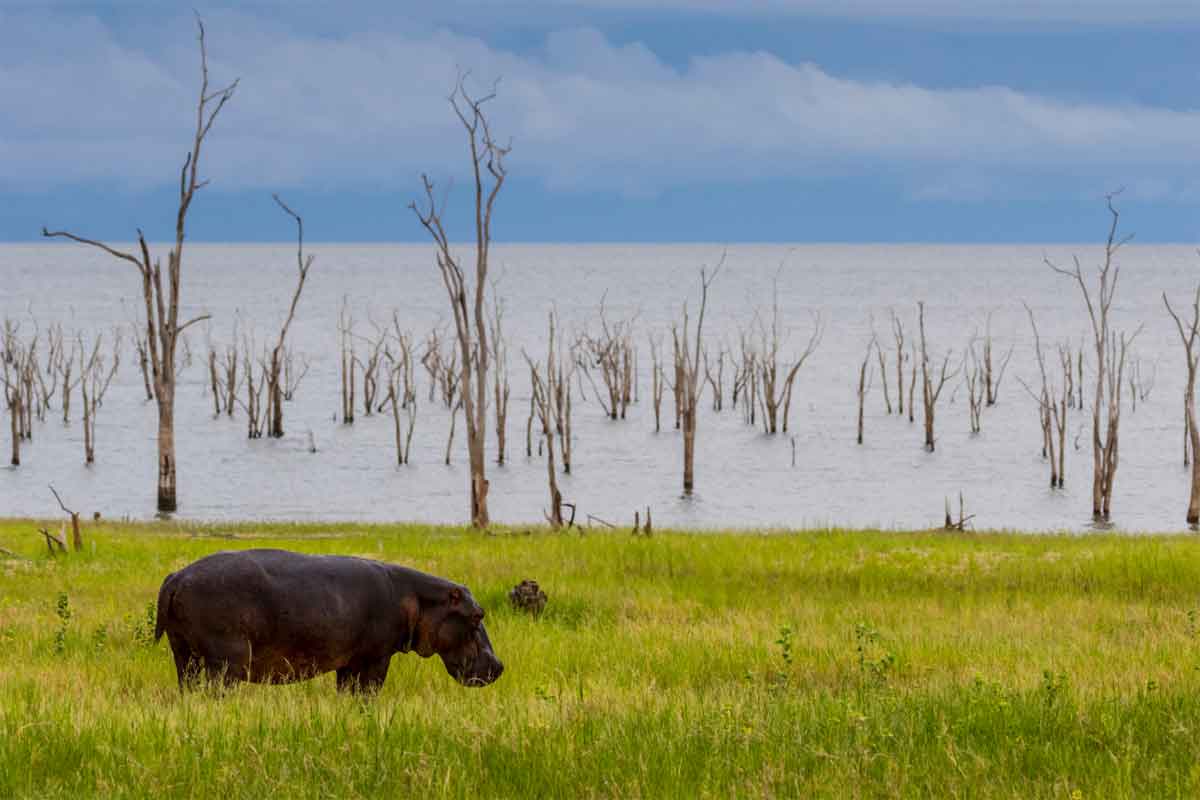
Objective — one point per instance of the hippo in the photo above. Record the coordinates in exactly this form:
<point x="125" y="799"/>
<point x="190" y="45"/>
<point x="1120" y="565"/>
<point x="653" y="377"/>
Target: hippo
<point x="274" y="616"/>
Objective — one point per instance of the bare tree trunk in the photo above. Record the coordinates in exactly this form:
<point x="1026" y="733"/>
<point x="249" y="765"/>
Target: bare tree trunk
<point x="929" y="391"/>
<point x="471" y="328"/>
<point x="500" y="386"/>
<point x="912" y="385"/>
<point x="688" y="386"/>
<point x="163" y="328"/>
<point x="992" y="380"/>
<point x="898" y="334"/>
<point x="776" y="388"/>
<point x="862" y="389"/>
<point x="883" y="381"/>
<point x="453" y="423"/>
<point x="1049" y="416"/>
<point x="275" y="389"/>
<point x="214" y="382"/>
<point x="1187" y="433"/>
<point x="1108" y="374"/>
<point x="658" y="380"/>
<point x="976" y="380"/>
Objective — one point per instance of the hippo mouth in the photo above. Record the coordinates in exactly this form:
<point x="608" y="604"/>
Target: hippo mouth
<point x="477" y="679"/>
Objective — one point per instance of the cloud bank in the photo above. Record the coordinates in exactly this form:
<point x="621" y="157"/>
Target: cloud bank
<point x="1096" y="12"/>
<point x="368" y="109"/>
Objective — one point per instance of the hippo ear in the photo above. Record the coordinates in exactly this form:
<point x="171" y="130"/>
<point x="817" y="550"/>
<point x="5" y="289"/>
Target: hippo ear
<point x="456" y="596"/>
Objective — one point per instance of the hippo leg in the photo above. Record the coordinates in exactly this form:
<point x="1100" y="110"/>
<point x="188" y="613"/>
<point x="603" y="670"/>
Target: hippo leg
<point x="363" y="677"/>
<point x="187" y="663"/>
<point x="226" y="662"/>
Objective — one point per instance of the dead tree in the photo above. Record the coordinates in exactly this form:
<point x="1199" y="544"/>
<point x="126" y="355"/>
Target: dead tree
<point x="898" y="335"/>
<point x="47" y="377"/>
<point x="716" y="378"/>
<point x="346" y="347"/>
<point x="775" y="386"/>
<point x="401" y="397"/>
<point x="976" y="378"/>
<point x="256" y="416"/>
<point x="963" y="517"/>
<point x="487" y="156"/>
<point x="529" y="424"/>
<point x="66" y="369"/>
<point x="370" y="370"/>
<point x="687" y="370"/>
<point x="744" y="370"/>
<point x="1188" y="333"/>
<point x="542" y="402"/>
<point x="931" y="388"/>
<point x="912" y="383"/>
<point x="76" y="535"/>
<point x="500" y="386"/>
<point x="612" y="354"/>
<point x="1050" y="417"/>
<point x="453" y="424"/>
<point x="863" y="388"/>
<point x="141" y="344"/>
<point x="231" y="382"/>
<point x="275" y="381"/>
<point x="658" y="380"/>
<point x="1059" y="411"/>
<point x="992" y="380"/>
<point x="293" y="375"/>
<point x="883" y="381"/>
<point x="1140" y="386"/>
<point x="559" y="379"/>
<point x="13" y="364"/>
<point x="548" y="400"/>
<point x="214" y="381"/>
<point x="95" y="378"/>
<point x="1110" y="349"/>
<point x="678" y="385"/>
<point x="163" y="328"/>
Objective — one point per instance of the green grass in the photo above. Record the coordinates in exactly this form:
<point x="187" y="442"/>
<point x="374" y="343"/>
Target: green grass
<point x="840" y="664"/>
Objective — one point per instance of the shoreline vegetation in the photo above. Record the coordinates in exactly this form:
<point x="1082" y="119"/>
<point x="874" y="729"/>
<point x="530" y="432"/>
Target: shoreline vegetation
<point x="824" y="663"/>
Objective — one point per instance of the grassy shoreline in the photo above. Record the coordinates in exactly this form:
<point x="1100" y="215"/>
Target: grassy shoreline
<point x="832" y="663"/>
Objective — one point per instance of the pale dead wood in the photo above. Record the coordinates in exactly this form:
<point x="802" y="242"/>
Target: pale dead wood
<point x="488" y="170"/>
<point x="76" y="536"/>
<point x="688" y="348"/>
<point x="276" y="390"/>
<point x="1107" y="346"/>
<point x="163" y="324"/>
<point x="1188" y="333"/>
<point x="931" y="387"/>
<point x="863" y="388"/>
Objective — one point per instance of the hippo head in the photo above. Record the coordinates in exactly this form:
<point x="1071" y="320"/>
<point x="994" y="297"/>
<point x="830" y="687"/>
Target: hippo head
<point x="454" y="630"/>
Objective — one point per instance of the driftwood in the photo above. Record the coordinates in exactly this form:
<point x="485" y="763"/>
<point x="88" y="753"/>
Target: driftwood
<point x="52" y="540"/>
<point x="963" y="518"/>
<point x="76" y="536"/>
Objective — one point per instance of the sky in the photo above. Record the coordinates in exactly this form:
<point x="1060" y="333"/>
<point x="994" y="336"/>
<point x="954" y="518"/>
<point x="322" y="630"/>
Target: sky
<point x="629" y="120"/>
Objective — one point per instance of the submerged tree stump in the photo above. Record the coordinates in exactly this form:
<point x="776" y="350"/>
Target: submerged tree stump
<point x="527" y="596"/>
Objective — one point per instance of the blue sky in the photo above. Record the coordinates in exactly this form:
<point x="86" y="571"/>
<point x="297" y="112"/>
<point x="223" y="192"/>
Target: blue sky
<point x="631" y="120"/>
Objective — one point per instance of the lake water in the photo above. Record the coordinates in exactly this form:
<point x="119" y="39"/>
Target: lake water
<point x="744" y="479"/>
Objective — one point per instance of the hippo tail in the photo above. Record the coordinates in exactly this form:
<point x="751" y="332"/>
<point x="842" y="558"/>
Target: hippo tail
<point x="165" y="594"/>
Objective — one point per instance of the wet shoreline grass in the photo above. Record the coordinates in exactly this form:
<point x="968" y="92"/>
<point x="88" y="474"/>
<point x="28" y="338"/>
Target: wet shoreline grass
<point x="834" y="664"/>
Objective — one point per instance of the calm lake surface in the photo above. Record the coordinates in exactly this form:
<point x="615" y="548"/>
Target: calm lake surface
<point x="745" y="479"/>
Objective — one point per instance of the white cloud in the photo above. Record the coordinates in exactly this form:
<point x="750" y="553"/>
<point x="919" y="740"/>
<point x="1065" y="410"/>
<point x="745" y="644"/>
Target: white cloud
<point x="369" y="109"/>
<point x="1100" y="12"/>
